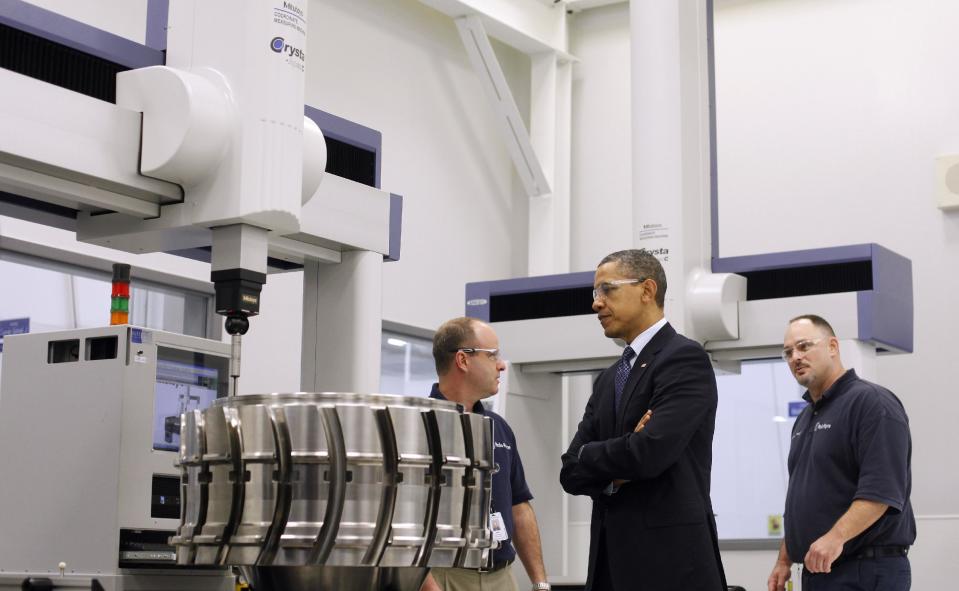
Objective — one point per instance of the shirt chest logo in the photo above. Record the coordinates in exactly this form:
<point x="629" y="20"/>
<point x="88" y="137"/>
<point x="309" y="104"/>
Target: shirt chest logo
<point x="502" y="445"/>
<point x="822" y="426"/>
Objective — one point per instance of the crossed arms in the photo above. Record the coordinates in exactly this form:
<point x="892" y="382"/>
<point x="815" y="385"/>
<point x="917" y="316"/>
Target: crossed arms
<point x="683" y="393"/>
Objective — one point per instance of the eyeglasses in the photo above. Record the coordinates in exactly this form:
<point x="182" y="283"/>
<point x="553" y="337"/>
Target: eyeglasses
<point x="491" y="353"/>
<point x="801" y="347"/>
<point x="608" y="287"/>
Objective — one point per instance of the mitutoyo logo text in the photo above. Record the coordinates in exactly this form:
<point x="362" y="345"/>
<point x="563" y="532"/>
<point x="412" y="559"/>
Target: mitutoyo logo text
<point x="279" y="45"/>
<point x="293" y="8"/>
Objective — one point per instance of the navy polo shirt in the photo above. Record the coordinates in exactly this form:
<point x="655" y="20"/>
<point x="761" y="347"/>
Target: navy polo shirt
<point x="852" y="444"/>
<point x="509" y="481"/>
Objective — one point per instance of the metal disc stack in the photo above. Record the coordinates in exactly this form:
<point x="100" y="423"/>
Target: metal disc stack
<point x="335" y="490"/>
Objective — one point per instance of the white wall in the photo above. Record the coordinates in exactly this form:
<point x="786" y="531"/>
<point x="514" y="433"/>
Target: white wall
<point x="830" y="113"/>
<point x="401" y="68"/>
<point x="271" y="348"/>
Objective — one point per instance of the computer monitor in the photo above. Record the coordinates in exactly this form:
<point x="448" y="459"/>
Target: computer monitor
<point x="185" y="381"/>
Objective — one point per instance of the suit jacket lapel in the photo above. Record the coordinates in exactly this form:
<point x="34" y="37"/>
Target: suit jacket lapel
<point x="645" y="357"/>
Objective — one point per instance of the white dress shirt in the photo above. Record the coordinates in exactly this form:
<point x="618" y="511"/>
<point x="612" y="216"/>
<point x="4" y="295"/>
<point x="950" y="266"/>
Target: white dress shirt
<point x="643" y="338"/>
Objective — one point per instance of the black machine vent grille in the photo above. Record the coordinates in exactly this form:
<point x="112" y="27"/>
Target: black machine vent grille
<point x="205" y="253"/>
<point x="26" y="202"/>
<point x="51" y="62"/>
<point x="761" y="285"/>
<point x="812" y="280"/>
<point x="351" y="162"/>
<point x="574" y="301"/>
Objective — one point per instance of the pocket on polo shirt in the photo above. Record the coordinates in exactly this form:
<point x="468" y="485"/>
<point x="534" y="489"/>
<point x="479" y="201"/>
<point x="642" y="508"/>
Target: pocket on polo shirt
<point x="683" y="514"/>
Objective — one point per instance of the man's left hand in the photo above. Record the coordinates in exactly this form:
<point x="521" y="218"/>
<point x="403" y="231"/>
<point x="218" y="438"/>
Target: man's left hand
<point x="823" y="552"/>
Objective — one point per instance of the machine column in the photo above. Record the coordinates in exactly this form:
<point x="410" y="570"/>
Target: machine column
<point x="342" y="324"/>
<point x="671" y="139"/>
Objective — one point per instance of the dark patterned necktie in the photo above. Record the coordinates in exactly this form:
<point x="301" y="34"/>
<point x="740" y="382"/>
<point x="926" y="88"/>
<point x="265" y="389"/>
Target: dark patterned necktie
<point x="622" y="373"/>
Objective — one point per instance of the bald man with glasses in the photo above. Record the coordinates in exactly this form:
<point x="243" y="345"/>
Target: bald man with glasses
<point x="468" y="363"/>
<point x="848" y="517"/>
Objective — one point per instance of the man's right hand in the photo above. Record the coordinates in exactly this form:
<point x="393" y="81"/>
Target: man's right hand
<point x="779" y="576"/>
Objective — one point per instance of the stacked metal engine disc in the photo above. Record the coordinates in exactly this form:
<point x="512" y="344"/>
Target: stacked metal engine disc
<point x="335" y="480"/>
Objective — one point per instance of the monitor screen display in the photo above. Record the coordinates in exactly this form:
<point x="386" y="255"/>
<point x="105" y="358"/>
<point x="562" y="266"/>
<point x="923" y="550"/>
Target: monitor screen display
<point x="185" y="381"/>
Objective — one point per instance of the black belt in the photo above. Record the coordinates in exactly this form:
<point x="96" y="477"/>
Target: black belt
<point x="865" y="554"/>
<point x="881" y="552"/>
<point x="499" y="565"/>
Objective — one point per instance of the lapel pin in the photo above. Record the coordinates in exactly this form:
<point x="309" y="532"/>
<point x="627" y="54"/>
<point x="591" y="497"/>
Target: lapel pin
<point x="643" y="365"/>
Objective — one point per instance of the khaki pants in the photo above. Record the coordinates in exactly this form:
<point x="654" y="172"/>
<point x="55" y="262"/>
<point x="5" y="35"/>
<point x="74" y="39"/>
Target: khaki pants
<point x="461" y="579"/>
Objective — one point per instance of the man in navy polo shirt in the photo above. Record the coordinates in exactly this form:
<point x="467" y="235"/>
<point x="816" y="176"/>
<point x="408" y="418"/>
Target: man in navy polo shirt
<point x="466" y="352"/>
<point x="848" y="518"/>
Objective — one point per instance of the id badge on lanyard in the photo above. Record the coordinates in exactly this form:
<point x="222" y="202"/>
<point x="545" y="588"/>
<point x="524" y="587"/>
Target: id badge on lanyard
<point x="498" y="527"/>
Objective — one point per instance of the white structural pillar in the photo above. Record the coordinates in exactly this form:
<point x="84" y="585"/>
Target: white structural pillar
<point x="671" y="139"/>
<point x="550" y="124"/>
<point x="342" y="324"/>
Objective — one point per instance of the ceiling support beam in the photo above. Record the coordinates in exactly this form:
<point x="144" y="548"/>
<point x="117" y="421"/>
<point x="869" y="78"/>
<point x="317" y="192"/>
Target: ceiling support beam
<point x="518" y="142"/>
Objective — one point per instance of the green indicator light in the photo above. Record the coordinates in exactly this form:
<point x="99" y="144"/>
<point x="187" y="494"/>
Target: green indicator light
<point x="118" y="304"/>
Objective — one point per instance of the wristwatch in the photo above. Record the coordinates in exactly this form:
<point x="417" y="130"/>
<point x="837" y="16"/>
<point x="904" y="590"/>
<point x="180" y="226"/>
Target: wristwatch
<point x="541" y="586"/>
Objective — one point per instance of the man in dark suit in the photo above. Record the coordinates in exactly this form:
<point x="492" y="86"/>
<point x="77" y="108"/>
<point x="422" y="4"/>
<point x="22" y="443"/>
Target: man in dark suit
<point x="652" y="524"/>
